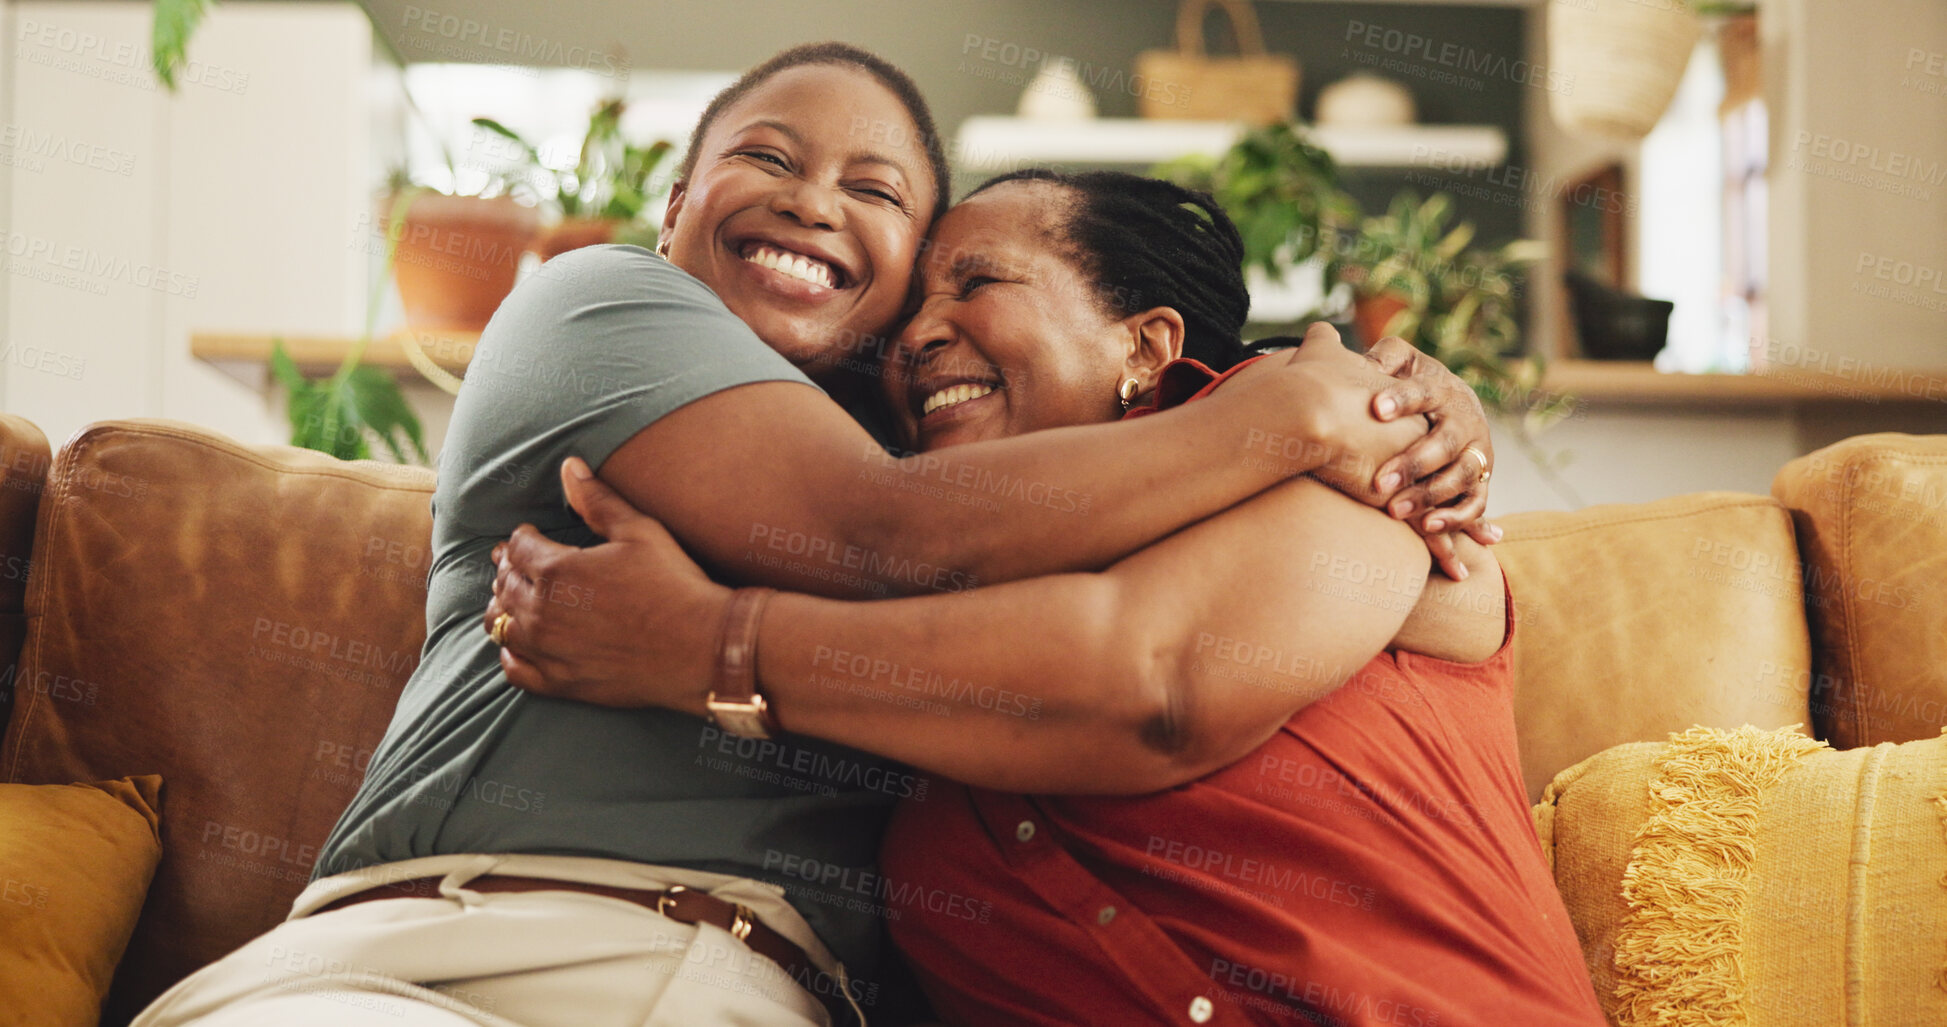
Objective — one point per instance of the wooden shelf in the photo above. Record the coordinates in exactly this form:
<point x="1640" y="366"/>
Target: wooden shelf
<point x="992" y="142"/>
<point x="1631" y="383"/>
<point x="450" y="350"/>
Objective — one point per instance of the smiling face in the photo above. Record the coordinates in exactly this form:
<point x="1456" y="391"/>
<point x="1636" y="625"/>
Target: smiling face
<point x="1010" y="337"/>
<point x="805" y="210"/>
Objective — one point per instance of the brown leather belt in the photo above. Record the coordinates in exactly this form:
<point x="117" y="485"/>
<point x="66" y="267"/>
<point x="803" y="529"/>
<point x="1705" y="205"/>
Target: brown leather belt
<point x="678" y="903"/>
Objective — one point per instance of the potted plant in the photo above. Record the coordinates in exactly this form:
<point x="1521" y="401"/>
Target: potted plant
<point x="1284" y="193"/>
<point x="1411" y="275"/>
<point x="457" y="256"/>
<point x="603" y="196"/>
<point x="1407" y="274"/>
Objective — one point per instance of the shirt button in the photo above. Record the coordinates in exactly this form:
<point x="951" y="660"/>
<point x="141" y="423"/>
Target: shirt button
<point x="1025" y="831"/>
<point x="1107" y="914"/>
<point x="1201" y="1010"/>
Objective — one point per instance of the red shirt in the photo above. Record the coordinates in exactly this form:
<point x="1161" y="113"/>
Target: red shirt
<point x="1373" y="863"/>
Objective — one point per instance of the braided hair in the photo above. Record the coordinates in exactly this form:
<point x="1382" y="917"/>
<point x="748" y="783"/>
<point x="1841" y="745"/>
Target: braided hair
<point x="846" y="55"/>
<point x="1143" y="243"/>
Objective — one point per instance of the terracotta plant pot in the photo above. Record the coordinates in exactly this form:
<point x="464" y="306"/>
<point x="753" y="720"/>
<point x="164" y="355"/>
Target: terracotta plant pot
<point x="457" y="258"/>
<point x="572" y="234"/>
<point x="1371" y="314"/>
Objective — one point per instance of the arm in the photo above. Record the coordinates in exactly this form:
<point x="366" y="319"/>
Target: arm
<point x="599" y="645"/>
<point x="1464" y="621"/>
<point x="771" y="483"/>
<point x="1163" y="667"/>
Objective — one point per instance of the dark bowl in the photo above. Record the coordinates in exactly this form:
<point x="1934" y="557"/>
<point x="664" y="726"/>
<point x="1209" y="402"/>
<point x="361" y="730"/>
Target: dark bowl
<point x="1615" y="325"/>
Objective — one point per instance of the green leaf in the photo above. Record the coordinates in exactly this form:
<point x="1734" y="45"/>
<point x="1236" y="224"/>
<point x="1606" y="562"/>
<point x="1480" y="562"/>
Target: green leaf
<point x="1523" y="251"/>
<point x="612" y="177"/>
<point x="1456" y="240"/>
<point x="175" y="22"/>
<point x="302" y="407"/>
<point x="283" y="367"/>
<point x="1264" y="233"/>
<point x="382" y="408"/>
<point x="502" y="130"/>
<point x="321" y="419"/>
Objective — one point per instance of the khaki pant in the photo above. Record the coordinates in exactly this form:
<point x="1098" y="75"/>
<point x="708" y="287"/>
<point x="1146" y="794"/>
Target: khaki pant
<point x="507" y="959"/>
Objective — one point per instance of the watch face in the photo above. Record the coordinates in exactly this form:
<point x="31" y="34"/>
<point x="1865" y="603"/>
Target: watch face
<point x="745" y="718"/>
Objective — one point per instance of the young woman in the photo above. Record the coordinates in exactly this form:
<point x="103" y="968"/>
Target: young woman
<point x="511" y="858"/>
<point x="1338" y="831"/>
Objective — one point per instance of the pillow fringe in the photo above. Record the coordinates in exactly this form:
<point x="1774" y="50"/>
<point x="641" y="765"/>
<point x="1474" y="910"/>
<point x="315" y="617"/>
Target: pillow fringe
<point x="1677" y="954"/>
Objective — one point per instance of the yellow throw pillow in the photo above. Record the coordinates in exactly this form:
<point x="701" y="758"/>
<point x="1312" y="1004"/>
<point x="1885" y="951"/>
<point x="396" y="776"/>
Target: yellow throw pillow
<point x="1756" y="877"/>
<point x="75" y="864"/>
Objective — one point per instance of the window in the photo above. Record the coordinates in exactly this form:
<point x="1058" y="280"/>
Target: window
<point x="546" y="106"/>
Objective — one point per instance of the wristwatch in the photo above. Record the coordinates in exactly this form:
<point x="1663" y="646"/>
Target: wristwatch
<point x="733" y="702"/>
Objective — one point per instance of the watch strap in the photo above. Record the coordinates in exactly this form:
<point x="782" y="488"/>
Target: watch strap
<point x="733" y="701"/>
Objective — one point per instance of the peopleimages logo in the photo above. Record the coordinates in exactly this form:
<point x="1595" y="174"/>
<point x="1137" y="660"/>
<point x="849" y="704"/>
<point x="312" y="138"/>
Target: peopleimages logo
<point x="1009" y="62"/>
<point x="524" y="47"/>
<point x="119" y="61"/>
<point x="1404" y="46"/>
<point x="94" y="267"/>
<point x="38" y="147"/>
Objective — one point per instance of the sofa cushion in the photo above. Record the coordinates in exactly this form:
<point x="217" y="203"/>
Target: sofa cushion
<point x="1756" y="878"/>
<point x="1648" y="618"/>
<point x="75" y="862"/>
<point x="23" y="472"/>
<point x="1871" y="514"/>
<point x="237" y="619"/>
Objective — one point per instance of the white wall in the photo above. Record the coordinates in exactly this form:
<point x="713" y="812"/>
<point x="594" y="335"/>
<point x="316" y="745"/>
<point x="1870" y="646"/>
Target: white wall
<point x="230" y="206"/>
<point x="1858" y="178"/>
<point x="1633" y="456"/>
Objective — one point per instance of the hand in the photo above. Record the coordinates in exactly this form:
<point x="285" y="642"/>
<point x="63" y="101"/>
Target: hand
<point x="630" y="622"/>
<point x="1453" y="495"/>
<point x="1342" y="388"/>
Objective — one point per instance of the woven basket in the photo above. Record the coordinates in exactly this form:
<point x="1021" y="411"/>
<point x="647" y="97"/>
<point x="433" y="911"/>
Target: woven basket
<point x="1626" y="60"/>
<point x="1188" y="83"/>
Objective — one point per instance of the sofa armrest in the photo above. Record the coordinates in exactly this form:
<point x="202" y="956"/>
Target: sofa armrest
<point x="1871" y="517"/>
<point x="23" y="476"/>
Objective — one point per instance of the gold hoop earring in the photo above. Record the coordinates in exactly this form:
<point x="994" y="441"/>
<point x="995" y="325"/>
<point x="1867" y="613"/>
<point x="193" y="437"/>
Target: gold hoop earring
<point x="662" y="247"/>
<point x="1126" y="392"/>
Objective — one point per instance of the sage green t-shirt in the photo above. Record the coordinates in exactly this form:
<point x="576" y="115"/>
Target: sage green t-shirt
<point x="586" y="352"/>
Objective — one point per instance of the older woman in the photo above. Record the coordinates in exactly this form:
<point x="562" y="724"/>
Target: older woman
<point x="1337" y="831"/>
<point x="511" y="858"/>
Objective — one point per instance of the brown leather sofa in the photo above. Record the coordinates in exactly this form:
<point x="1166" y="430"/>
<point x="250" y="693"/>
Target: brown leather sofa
<point x="240" y="619"/>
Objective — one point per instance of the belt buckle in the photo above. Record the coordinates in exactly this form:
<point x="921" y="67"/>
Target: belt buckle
<point x="668" y="896"/>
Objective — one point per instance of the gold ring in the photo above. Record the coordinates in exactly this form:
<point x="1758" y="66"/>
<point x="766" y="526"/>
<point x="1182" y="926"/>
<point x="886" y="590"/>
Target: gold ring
<point x="1475" y="452"/>
<point x="499" y="631"/>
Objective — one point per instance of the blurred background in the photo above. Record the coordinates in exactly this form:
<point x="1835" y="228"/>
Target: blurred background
<point x="1672" y="245"/>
